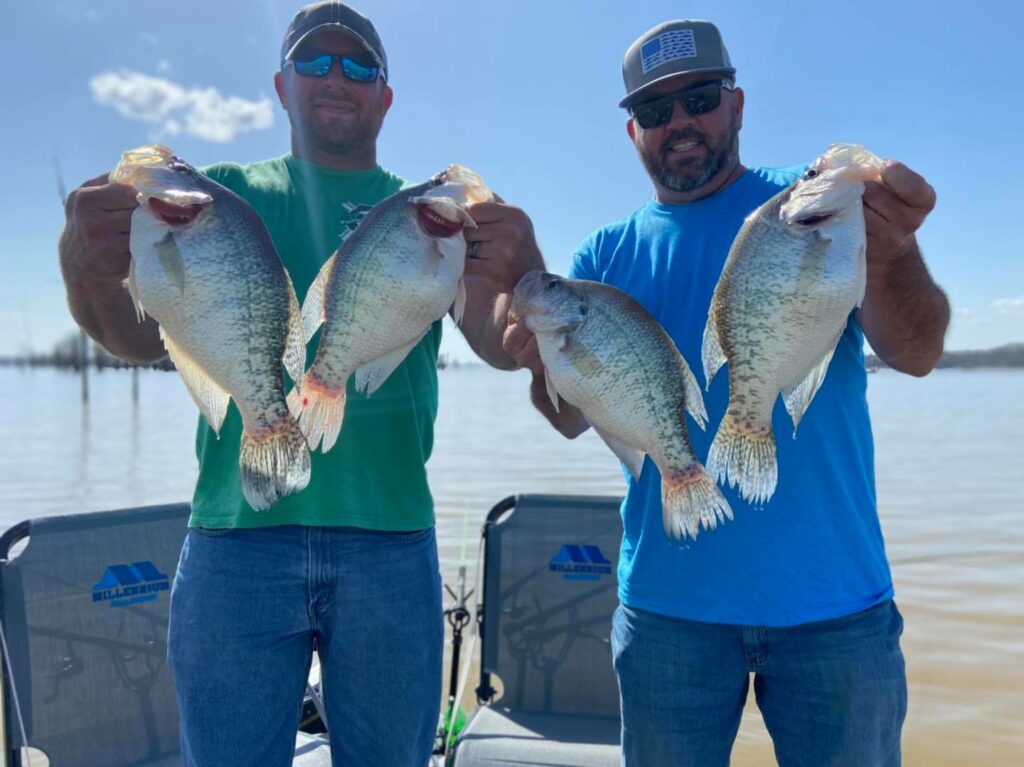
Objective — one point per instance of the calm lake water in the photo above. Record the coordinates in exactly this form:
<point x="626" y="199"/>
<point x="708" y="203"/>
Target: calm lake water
<point x="949" y="469"/>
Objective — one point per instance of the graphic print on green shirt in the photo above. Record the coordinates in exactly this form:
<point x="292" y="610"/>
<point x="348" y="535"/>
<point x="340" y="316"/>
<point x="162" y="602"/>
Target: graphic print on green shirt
<point x="375" y="476"/>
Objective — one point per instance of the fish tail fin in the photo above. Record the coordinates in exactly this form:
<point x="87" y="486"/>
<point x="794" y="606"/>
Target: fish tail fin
<point x="744" y="456"/>
<point x="273" y="463"/>
<point x="690" y="500"/>
<point x="319" y="409"/>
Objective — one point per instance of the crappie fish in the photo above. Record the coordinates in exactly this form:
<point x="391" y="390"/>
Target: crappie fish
<point x="204" y="267"/>
<point x="605" y="355"/>
<point x="377" y="296"/>
<point x="795" y="271"/>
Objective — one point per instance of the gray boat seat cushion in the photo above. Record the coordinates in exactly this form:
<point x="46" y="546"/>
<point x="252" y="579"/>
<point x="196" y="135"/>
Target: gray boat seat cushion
<point x="549" y="596"/>
<point x="497" y="737"/>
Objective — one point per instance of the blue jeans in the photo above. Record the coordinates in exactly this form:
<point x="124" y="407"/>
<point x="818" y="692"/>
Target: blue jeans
<point x="832" y="693"/>
<point x="249" y="607"/>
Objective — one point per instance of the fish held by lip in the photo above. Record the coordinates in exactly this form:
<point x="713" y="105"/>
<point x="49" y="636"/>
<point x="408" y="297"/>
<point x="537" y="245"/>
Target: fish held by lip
<point x="397" y="273"/>
<point x="204" y="267"/>
<point x="795" y="272"/>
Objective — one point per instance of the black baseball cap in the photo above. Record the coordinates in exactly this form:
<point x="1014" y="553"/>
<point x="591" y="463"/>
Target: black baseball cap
<point x="333" y="15"/>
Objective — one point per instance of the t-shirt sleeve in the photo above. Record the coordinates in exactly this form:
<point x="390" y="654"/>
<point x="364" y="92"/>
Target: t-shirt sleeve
<point x="584" y="262"/>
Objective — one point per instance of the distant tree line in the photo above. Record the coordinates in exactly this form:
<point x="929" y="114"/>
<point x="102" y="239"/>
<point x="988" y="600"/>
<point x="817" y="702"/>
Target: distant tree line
<point x="1008" y="356"/>
<point x="76" y="351"/>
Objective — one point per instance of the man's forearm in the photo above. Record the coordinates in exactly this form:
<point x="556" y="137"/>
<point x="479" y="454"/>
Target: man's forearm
<point x="110" y="319"/>
<point x="567" y="420"/>
<point x="905" y="314"/>
<point x="484" y="323"/>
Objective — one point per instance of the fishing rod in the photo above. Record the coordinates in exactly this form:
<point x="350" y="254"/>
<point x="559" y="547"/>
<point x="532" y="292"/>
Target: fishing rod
<point x="458" y="615"/>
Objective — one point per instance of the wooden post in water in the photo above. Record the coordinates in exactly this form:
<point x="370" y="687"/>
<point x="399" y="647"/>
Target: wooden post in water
<point x="84" y="359"/>
<point x="135" y="385"/>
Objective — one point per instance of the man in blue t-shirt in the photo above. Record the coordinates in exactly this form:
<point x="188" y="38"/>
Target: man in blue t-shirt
<point x="799" y="592"/>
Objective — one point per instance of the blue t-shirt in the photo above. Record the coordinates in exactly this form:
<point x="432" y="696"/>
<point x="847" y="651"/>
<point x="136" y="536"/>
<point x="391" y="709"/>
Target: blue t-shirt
<point x="815" y="550"/>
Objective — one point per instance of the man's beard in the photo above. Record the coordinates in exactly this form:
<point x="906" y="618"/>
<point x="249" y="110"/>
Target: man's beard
<point x="690" y="174"/>
<point x="341" y="137"/>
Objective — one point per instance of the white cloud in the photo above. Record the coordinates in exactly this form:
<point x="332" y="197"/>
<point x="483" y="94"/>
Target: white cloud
<point x="201" y="112"/>
<point x="1009" y="305"/>
<point x="163" y="66"/>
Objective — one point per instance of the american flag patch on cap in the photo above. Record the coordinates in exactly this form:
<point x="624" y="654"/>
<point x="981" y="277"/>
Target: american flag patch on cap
<point x="668" y="46"/>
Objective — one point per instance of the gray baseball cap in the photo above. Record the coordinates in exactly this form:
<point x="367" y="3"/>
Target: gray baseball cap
<point x="333" y="15"/>
<point x="670" y="49"/>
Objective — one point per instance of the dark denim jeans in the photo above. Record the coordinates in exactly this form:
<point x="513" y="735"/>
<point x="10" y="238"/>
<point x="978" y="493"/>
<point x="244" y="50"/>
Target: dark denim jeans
<point x="832" y="693"/>
<point x="249" y="607"/>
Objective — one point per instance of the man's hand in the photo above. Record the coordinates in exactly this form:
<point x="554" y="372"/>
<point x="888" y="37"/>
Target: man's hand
<point x="894" y="210"/>
<point x="499" y="251"/>
<point x="904" y="314"/>
<point x="502" y="248"/>
<point x="94" y="261"/>
<point x="521" y="345"/>
<point x="94" y="246"/>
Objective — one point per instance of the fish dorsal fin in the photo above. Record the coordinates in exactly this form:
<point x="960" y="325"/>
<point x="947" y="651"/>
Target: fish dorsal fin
<point x="295" y="342"/>
<point x="711" y="353"/>
<point x="211" y="399"/>
<point x="313" y="305"/>
<point x="549" y="386"/>
<point x="459" y="307"/>
<point x="694" y="397"/>
<point x="632" y="458"/>
<point x="171" y="261"/>
<point x="797" y="397"/>
<point x="133" y="291"/>
<point x="370" y="376"/>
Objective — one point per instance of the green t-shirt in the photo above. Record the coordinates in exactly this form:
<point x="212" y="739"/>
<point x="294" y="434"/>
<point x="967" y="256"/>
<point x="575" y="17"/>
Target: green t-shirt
<point x="375" y="476"/>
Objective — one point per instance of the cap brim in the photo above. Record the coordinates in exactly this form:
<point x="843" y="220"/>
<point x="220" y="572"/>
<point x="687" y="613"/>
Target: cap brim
<point x="334" y="25"/>
<point x="632" y="97"/>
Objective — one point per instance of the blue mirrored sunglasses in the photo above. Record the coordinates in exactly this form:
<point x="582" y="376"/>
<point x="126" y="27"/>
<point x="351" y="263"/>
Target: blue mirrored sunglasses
<point x="320" y="66"/>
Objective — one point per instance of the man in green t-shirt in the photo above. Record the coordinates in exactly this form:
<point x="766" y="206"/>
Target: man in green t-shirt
<point x="348" y="566"/>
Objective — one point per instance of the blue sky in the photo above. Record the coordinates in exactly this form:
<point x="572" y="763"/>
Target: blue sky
<point x="525" y="93"/>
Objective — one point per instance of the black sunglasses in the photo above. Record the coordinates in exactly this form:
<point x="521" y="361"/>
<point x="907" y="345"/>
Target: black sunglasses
<point x="320" y="65"/>
<point x="696" y="100"/>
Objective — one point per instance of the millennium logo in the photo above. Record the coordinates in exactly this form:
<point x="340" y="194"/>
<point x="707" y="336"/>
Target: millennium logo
<point x="123" y="585"/>
<point x="580" y="563"/>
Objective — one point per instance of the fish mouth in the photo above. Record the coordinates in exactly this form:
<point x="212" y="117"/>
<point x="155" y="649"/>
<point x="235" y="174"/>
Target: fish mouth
<point x="436" y="225"/>
<point x="174" y="215"/>
<point x="527" y="287"/>
<point x="815" y="218"/>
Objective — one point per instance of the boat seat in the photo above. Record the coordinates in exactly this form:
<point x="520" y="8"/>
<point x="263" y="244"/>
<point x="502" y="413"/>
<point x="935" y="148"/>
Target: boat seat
<point x="549" y="593"/>
<point x="84" y="605"/>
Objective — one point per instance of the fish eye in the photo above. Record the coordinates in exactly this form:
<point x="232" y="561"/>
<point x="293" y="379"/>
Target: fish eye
<point x="552" y="283"/>
<point x="811" y="173"/>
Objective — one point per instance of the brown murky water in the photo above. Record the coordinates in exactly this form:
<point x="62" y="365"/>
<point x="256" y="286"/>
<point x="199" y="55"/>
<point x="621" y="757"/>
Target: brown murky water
<point x="949" y="471"/>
